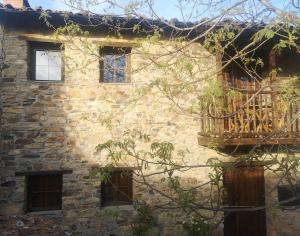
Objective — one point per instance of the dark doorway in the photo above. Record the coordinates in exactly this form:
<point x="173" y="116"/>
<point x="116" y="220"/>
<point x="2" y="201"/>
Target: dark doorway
<point x="244" y="187"/>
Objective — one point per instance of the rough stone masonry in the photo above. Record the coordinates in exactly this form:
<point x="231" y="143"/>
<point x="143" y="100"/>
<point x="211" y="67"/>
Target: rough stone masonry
<point x="57" y="125"/>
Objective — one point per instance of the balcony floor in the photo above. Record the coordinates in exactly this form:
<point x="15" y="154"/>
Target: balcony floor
<point x="242" y="140"/>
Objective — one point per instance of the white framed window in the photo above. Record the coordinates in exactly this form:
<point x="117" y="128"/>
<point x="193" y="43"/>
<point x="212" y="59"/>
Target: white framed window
<point x="46" y="62"/>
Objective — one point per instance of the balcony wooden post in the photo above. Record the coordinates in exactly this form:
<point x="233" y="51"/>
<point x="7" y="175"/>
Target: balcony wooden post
<point x="221" y="79"/>
<point x="272" y="69"/>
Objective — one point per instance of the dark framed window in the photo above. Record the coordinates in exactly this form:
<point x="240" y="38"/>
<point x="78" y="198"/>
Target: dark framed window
<point x="286" y="193"/>
<point x="115" y="64"/>
<point x="118" y="189"/>
<point x="46" y="61"/>
<point x="44" y="192"/>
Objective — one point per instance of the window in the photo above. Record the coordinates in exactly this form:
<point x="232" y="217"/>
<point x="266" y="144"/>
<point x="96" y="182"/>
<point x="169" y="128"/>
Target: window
<point x="286" y="193"/>
<point x="46" y="61"/>
<point x="115" y="64"/>
<point x="288" y="63"/>
<point x="44" y="192"/>
<point x="117" y="190"/>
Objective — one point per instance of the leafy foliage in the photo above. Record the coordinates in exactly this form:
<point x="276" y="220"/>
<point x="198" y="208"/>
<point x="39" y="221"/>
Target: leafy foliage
<point x="198" y="227"/>
<point x="173" y="59"/>
<point x="144" y="220"/>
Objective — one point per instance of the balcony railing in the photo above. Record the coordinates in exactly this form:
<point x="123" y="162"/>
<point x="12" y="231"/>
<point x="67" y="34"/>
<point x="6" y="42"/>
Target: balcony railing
<point x="250" y="118"/>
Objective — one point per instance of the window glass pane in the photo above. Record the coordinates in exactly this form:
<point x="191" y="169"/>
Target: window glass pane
<point x="41" y="58"/>
<point x="48" y="65"/>
<point x="54" y="58"/>
<point x="108" y="72"/>
<point x="109" y="62"/>
<point x="41" y="72"/>
<point x="114" y="68"/>
<point x="120" y="75"/>
<point x="108" y="76"/>
<point x="120" y="63"/>
<point x="54" y="73"/>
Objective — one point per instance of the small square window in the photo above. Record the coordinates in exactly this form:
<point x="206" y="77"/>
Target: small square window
<point x="118" y="189"/>
<point x="46" y="61"/>
<point x="44" y="192"/>
<point x="286" y="193"/>
<point x="115" y="64"/>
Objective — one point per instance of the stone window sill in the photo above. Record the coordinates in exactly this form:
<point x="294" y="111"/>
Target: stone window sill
<point x="44" y="213"/>
<point x="125" y="83"/>
<point x="47" y="81"/>
<point x="121" y="207"/>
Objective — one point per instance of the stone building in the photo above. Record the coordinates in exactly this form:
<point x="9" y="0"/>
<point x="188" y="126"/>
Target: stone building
<point x="59" y="102"/>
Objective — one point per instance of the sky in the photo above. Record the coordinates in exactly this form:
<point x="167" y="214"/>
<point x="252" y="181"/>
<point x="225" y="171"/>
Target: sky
<point x="167" y="9"/>
<point x="164" y="8"/>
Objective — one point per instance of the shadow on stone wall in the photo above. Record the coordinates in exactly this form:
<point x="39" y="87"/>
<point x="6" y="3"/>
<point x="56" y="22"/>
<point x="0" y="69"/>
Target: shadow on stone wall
<point x="42" y="129"/>
<point x="34" y="138"/>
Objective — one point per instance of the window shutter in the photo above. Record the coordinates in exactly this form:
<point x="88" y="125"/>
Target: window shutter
<point x="44" y="192"/>
<point x="118" y="190"/>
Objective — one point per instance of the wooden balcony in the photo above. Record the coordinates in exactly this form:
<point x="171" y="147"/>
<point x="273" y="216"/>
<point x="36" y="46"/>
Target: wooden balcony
<point x="251" y="118"/>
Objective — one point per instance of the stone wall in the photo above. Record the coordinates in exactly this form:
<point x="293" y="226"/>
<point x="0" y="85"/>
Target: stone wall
<point x="280" y="221"/>
<point x="56" y="126"/>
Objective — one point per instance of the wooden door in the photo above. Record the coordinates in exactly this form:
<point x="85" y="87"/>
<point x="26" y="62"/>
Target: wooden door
<point x="243" y="118"/>
<point x="244" y="187"/>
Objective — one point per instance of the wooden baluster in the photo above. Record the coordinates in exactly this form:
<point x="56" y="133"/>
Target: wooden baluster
<point x="284" y="119"/>
<point x="291" y="117"/>
<point x="295" y="117"/>
<point x="230" y="117"/>
<point x="266" y="99"/>
<point x="223" y="120"/>
<point x="260" y="112"/>
<point x="201" y="122"/>
<point x="248" y="113"/>
<point x="214" y="119"/>
<point x="298" y="120"/>
<point x="254" y="114"/>
<point x="242" y="130"/>
<point x="264" y="113"/>
<point x="209" y="124"/>
<point x="296" y="109"/>
<point x="204" y="120"/>
<point x="288" y="120"/>
<point x="235" y="115"/>
<point x="270" y="113"/>
<point x="209" y="121"/>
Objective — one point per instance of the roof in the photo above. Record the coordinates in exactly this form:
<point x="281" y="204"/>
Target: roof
<point x="30" y="19"/>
